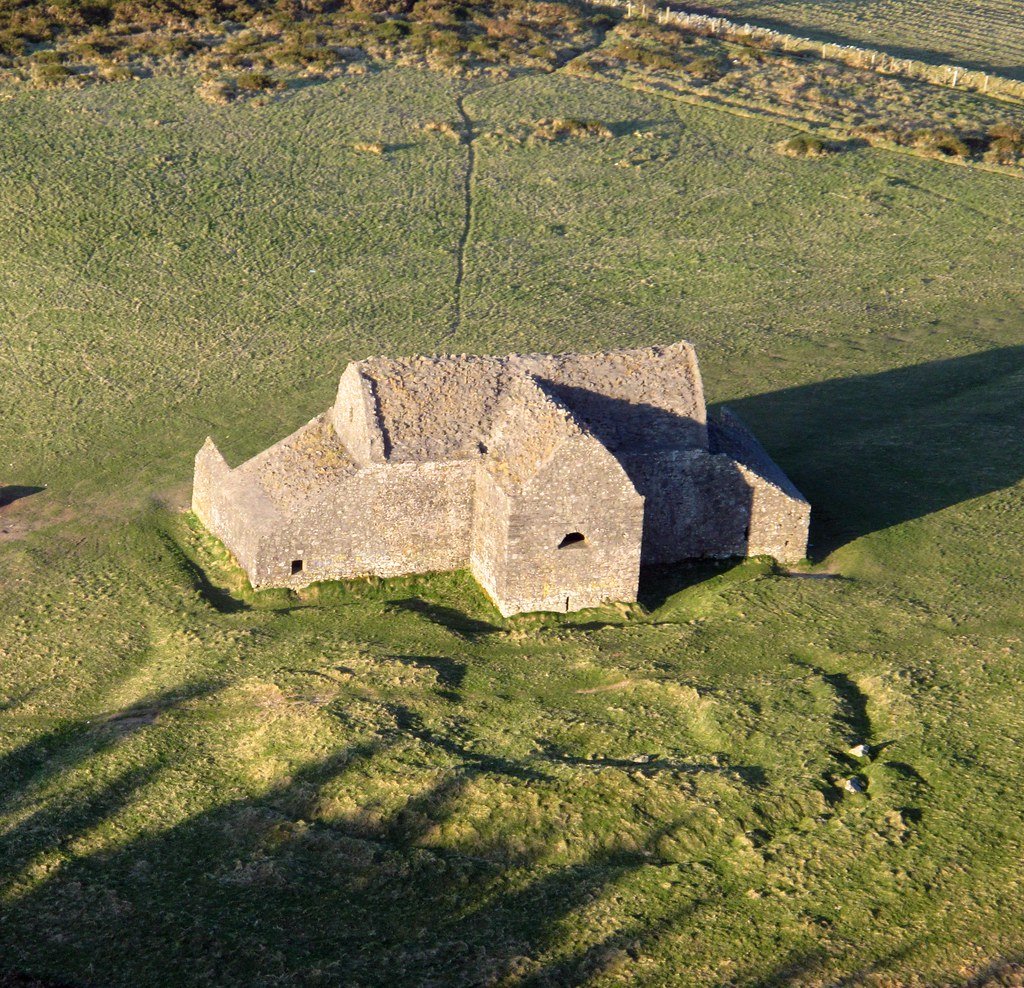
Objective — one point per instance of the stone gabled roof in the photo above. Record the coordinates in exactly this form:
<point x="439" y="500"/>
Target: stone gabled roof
<point x="530" y="425"/>
<point x="729" y="434"/>
<point x="443" y="408"/>
<point x="296" y="471"/>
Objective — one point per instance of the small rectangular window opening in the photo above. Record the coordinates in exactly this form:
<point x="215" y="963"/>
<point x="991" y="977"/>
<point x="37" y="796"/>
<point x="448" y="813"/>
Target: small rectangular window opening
<point x="296" y="566"/>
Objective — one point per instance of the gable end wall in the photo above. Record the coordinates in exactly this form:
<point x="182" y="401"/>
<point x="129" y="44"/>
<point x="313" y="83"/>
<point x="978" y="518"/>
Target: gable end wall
<point x="355" y="419"/>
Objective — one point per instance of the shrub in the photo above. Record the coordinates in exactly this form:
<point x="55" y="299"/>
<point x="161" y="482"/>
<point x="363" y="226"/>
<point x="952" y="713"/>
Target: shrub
<point x="12" y="43"/>
<point x="391" y="30"/>
<point x="1003" y="151"/>
<point x="217" y="91"/>
<point x="646" y="57"/>
<point x="556" y="128"/>
<point x="705" y="67"/>
<point x="49" y="74"/>
<point x="941" y="141"/>
<point x="254" y="82"/>
<point x="293" y="54"/>
<point x="116" y="73"/>
<point x="803" y="146"/>
<point x="450" y="130"/>
<point x="369" y="147"/>
<point x="1008" y="132"/>
<point x="446" y="42"/>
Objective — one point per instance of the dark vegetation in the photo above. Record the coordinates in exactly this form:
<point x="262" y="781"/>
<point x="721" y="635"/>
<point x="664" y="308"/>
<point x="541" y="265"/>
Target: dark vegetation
<point x="53" y="42"/>
<point x="804" y="146"/>
<point x="847" y="102"/>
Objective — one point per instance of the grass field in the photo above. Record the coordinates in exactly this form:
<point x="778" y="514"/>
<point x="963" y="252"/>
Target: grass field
<point x="386" y="783"/>
<point x="987" y="35"/>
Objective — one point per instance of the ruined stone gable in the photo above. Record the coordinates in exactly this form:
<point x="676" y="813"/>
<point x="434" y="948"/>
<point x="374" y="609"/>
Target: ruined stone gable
<point x="552" y="477"/>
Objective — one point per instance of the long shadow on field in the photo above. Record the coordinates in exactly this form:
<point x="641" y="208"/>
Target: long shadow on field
<point x="296" y="884"/>
<point x="933" y="56"/>
<point x="874" y="451"/>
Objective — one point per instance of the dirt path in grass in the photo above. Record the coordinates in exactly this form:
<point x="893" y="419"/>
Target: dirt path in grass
<point x="467" y="215"/>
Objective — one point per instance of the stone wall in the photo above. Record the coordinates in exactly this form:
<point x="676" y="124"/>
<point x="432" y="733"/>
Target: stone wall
<point x="489" y="550"/>
<point x="780" y="515"/>
<point x="386" y="520"/>
<point x="696" y="505"/>
<point x="583" y="491"/>
<point x="354" y="417"/>
<point x="229" y="508"/>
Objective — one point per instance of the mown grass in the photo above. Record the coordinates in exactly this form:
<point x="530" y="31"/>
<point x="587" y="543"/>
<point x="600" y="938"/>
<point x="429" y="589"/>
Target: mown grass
<point x="385" y="782"/>
<point x="987" y="36"/>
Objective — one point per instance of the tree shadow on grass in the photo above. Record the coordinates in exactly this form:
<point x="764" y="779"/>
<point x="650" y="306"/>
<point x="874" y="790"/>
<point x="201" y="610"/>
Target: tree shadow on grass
<point x="266" y="888"/>
<point x="877" y="450"/>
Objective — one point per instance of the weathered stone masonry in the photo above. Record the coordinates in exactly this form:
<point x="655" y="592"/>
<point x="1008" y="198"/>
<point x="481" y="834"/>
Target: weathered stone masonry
<point x="552" y="477"/>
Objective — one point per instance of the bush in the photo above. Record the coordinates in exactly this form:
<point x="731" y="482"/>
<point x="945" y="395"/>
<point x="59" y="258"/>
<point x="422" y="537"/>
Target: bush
<point x="217" y="91"/>
<point x="49" y="74"/>
<point x="452" y="131"/>
<point x="556" y="128"/>
<point x="1003" y="151"/>
<point x="1007" y="132"/>
<point x="705" y="67"/>
<point x="254" y="82"/>
<point x="391" y="30"/>
<point x="116" y="73"/>
<point x="941" y="141"/>
<point x="803" y="146"/>
<point x="646" y="57"/>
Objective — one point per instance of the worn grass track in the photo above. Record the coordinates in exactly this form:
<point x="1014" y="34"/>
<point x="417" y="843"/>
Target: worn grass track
<point x="386" y="783"/>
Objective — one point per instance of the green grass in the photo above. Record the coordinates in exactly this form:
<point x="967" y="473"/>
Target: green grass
<point x="385" y="782"/>
<point x="987" y="36"/>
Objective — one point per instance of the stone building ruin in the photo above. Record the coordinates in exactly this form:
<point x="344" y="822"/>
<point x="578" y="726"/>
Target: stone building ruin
<point x="552" y="478"/>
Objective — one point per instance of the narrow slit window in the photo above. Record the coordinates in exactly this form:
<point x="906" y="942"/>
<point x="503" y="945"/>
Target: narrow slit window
<point x="573" y="538"/>
<point x="296" y="566"/>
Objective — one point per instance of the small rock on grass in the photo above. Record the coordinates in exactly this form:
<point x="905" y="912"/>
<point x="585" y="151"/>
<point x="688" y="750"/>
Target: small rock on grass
<point x="855" y="785"/>
<point x="860" y="751"/>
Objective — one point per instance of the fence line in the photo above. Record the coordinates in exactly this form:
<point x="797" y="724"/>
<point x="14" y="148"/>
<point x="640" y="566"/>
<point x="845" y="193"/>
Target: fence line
<point x="953" y="76"/>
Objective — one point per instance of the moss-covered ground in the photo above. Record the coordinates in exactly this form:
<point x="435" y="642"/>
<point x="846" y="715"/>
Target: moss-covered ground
<point x="386" y="783"/>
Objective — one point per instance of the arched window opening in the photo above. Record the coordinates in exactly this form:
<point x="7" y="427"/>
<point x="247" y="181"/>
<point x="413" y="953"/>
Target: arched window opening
<point x="573" y="538"/>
